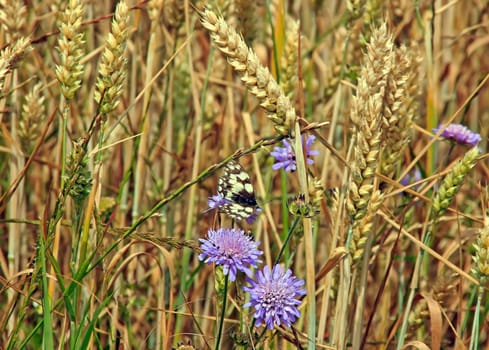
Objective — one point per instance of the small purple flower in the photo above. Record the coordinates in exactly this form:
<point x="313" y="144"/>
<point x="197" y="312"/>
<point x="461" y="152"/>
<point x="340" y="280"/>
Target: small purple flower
<point x="460" y="133"/>
<point x="274" y="295"/>
<point x="253" y="216"/>
<point x="216" y="201"/>
<point x="412" y="176"/>
<point x="232" y="249"/>
<point x="285" y="156"/>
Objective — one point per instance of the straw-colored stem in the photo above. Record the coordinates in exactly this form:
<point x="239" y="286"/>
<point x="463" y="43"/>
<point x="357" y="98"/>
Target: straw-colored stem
<point x="15" y="207"/>
<point x="361" y="295"/>
<point x="62" y="157"/>
<point x="190" y="218"/>
<point x="308" y="242"/>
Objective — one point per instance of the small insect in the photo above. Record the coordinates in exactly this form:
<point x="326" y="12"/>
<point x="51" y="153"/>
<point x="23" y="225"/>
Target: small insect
<point x="234" y="186"/>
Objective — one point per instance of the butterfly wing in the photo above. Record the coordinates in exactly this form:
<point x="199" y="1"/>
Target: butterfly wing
<point x="235" y="187"/>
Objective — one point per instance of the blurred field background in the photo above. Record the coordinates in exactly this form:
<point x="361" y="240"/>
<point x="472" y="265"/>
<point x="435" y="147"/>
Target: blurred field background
<point x="115" y="130"/>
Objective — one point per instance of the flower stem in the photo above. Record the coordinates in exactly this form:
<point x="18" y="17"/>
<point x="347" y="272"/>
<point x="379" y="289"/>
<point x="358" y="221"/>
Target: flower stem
<point x="223" y="312"/>
<point x="287" y="239"/>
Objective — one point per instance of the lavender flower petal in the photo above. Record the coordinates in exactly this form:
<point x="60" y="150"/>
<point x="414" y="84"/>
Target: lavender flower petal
<point x="275" y="296"/>
<point x="460" y="133"/>
<point x="232" y="249"/>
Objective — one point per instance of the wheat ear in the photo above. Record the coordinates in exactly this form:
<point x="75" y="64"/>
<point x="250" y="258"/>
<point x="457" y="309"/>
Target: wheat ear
<point x="257" y="78"/>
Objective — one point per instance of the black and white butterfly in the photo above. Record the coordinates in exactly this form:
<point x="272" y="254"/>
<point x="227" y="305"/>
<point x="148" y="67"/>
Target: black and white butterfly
<point x="236" y="190"/>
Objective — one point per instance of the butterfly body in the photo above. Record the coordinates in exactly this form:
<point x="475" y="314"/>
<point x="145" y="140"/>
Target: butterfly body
<point x="236" y="188"/>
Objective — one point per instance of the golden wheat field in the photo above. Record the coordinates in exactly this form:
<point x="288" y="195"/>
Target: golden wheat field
<point x="265" y="174"/>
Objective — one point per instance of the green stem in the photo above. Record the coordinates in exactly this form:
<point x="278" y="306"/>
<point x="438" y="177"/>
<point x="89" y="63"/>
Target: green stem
<point x="474" y="339"/>
<point x="289" y="235"/>
<point x="223" y="313"/>
<point x="47" y="329"/>
<point x="285" y="209"/>
<point x="308" y="243"/>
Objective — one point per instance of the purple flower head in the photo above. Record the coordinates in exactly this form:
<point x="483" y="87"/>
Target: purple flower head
<point x="274" y="295"/>
<point x="285" y="156"/>
<point x="216" y="201"/>
<point x="460" y="133"/>
<point x="232" y="249"/>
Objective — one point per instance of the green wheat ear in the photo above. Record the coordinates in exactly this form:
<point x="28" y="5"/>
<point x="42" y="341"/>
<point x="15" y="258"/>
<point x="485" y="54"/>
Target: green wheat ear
<point x="481" y="256"/>
<point x="78" y="173"/>
<point x="452" y="183"/>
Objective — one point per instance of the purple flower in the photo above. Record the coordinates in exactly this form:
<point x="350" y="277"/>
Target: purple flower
<point x="412" y="176"/>
<point x="460" y="133"/>
<point x="274" y="295"/>
<point x="232" y="249"/>
<point x="216" y="201"/>
<point x="253" y="216"/>
<point x="285" y="156"/>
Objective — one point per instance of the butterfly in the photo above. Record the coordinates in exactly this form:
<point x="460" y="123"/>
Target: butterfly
<point x="235" y="187"/>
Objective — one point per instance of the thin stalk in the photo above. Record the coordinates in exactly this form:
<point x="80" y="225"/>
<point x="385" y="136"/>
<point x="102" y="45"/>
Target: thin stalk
<point x="14" y="205"/>
<point x="473" y="295"/>
<point x="474" y="339"/>
<point x="308" y="244"/>
<point x="307" y="223"/>
<point x="412" y="292"/>
<point x="223" y="313"/>
<point x="339" y="339"/>
<point x="57" y="233"/>
<point x="47" y="329"/>
<point x="287" y="239"/>
<point x="189" y="227"/>
<point x="360" y="307"/>
<point x="275" y="48"/>
<point x="285" y="210"/>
